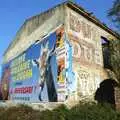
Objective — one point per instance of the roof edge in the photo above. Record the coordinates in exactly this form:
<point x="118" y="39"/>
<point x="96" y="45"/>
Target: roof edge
<point x="25" y="21"/>
<point x="76" y="8"/>
<point x="93" y="19"/>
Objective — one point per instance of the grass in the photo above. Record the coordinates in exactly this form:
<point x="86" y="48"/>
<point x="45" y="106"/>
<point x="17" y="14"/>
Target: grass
<point x="87" y="111"/>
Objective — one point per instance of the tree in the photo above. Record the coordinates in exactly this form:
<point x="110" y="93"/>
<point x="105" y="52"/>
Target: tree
<point x="114" y="13"/>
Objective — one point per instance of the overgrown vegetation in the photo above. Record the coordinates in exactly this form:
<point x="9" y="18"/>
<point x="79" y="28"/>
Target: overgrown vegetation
<point x="115" y="57"/>
<point x="88" y="111"/>
<point x="114" y="14"/>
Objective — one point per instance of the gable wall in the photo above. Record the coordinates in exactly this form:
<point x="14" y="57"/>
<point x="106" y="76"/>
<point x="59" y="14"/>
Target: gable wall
<point x="85" y="37"/>
<point x="35" y="29"/>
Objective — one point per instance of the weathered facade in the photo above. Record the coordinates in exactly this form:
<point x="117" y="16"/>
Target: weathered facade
<point x="85" y="34"/>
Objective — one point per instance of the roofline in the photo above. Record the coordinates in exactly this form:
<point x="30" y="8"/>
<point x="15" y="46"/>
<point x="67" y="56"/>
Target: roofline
<point x="60" y="4"/>
<point x="79" y="10"/>
<point x="93" y="19"/>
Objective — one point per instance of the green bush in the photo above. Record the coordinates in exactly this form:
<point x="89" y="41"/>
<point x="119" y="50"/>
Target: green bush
<point x="91" y="111"/>
<point x="82" y="111"/>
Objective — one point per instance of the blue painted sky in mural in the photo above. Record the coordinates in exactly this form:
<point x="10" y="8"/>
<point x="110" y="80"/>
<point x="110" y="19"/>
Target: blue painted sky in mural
<point x="13" y="13"/>
<point x="21" y="76"/>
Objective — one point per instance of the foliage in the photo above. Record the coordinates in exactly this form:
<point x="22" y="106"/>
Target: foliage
<point x="114" y="13"/>
<point x="87" y="111"/>
<point x="115" y="57"/>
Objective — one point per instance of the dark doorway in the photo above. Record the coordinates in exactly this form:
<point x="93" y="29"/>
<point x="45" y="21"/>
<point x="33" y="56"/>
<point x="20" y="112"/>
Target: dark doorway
<point x="105" y="93"/>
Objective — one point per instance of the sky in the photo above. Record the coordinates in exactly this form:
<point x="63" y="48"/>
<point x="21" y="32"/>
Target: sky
<point x="13" y="13"/>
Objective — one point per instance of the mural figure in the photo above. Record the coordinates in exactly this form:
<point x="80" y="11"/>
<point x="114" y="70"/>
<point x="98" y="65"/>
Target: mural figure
<point x="45" y="72"/>
<point x="71" y="80"/>
<point x="61" y="72"/>
<point x="60" y="41"/>
<point x="5" y="84"/>
<point x="52" y="94"/>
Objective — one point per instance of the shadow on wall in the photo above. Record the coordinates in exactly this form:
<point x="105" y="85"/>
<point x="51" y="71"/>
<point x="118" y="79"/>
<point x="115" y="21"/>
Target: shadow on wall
<point x="105" y="93"/>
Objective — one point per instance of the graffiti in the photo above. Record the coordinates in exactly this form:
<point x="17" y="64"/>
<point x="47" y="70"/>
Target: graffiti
<point x="86" y="30"/>
<point x="85" y="52"/>
<point x="84" y="80"/>
<point x="79" y="26"/>
<point x="83" y="75"/>
<point x="75" y="24"/>
<point x="87" y="81"/>
<point x="98" y="57"/>
<point x="81" y="33"/>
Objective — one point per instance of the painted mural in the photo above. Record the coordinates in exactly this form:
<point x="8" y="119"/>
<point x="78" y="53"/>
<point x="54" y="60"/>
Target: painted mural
<point x="5" y="84"/>
<point x="82" y="28"/>
<point x="41" y="73"/>
<point x="88" y="80"/>
<point x="86" y="40"/>
<point x="86" y="53"/>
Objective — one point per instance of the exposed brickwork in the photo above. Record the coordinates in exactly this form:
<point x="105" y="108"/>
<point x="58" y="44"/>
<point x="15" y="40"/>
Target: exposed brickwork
<point x="117" y="98"/>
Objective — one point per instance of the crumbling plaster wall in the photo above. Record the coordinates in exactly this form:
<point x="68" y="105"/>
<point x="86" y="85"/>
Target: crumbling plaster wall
<point x="85" y="37"/>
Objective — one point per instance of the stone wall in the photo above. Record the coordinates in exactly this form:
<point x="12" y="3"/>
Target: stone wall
<point x="117" y="98"/>
<point x="85" y="38"/>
